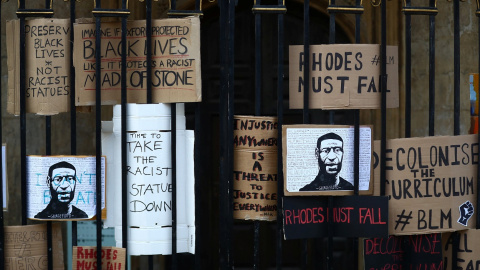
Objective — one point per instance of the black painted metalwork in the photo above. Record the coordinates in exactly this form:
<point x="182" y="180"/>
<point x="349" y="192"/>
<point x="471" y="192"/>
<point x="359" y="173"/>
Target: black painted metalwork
<point x="73" y="111"/>
<point x="280" y="181"/>
<point x="477" y="13"/>
<point x="2" y="235"/>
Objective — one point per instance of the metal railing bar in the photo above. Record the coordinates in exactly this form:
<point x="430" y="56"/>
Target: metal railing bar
<point x="280" y="74"/>
<point x="431" y="81"/>
<point x="456" y="66"/>
<point x="98" y="138"/>
<point x="280" y="8"/>
<point x="23" y="122"/>
<point x="258" y="112"/>
<point x="197" y="171"/>
<point x="383" y="85"/>
<point x="420" y="10"/>
<point x="2" y="235"/>
<point x="148" y="4"/>
<point x="408" y="72"/>
<point x="123" y="119"/>
<point x="48" y="152"/>
<point x="306" y="57"/>
<point x="478" y="133"/>
<point x="73" y="111"/>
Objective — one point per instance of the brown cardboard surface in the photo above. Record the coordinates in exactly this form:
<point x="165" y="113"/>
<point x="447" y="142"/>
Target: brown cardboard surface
<point x="47" y="67"/>
<point x="468" y="250"/>
<point x="86" y="258"/>
<point x="343" y="76"/>
<point x="430" y="181"/>
<point x="175" y="62"/>
<point x="255" y="132"/>
<point x="306" y="163"/>
<point x="26" y="247"/>
<point x="255" y="184"/>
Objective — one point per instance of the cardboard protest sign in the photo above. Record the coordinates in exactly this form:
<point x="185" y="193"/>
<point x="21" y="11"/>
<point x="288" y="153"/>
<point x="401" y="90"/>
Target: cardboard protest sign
<point x="255" y="168"/>
<point x="63" y="187"/>
<point x="86" y="258"/>
<point x="404" y="252"/>
<point x="467" y="250"/>
<point x="352" y="216"/>
<point x="176" y="73"/>
<point x="318" y="159"/>
<point x="431" y="183"/>
<point x="47" y="67"/>
<point x="26" y="247"/>
<point x="343" y="76"/>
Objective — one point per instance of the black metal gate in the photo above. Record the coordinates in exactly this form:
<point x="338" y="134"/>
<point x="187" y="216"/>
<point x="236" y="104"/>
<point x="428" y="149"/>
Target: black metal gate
<point x="222" y="242"/>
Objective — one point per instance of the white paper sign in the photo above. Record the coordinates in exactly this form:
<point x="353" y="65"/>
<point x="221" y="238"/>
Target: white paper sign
<point x="303" y="166"/>
<point x="63" y="187"/>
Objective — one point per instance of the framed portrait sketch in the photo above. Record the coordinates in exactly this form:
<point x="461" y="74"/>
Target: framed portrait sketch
<point x="319" y="160"/>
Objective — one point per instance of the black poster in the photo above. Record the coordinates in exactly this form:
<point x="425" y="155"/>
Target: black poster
<point x="404" y="252"/>
<point x="351" y="216"/>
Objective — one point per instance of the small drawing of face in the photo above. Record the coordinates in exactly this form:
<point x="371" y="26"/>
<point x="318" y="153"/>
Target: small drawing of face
<point x="330" y="156"/>
<point x="62" y="184"/>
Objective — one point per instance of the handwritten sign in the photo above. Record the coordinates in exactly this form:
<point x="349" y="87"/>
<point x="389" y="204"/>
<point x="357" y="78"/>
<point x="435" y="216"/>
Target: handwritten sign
<point x="150" y="178"/>
<point x="468" y="249"/>
<point x="314" y="167"/>
<point x="404" y="252"/>
<point x="63" y="187"/>
<point x="352" y="216"/>
<point x="176" y="73"/>
<point x="343" y="76"/>
<point x="26" y="247"/>
<point x="85" y="258"/>
<point x="47" y="48"/>
<point x="255" y="168"/>
<point x="431" y="183"/>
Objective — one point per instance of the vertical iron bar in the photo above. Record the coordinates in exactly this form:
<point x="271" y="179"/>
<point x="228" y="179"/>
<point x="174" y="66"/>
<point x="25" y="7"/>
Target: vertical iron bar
<point x="280" y="59"/>
<point x="258" y="112"/>
<point x="198" y="151"/>
<point x="227" y="11"/>
<point x="98" y="138"/>
<point x="231" y="96"/>
<point x="383" y="87"/>
<point x="173" y="118"/>
<point x="149" y="49"/>
<point x="306" y="90"/>
<point x="258" y="62"/>
<point x="174" y="183"/>
<point x="123" y="138"/>
<point x="306" y="62"/>
<point x="456" y="101"/>
<point x="148" y="4"/>
<point x="408" y="72"/>
<point x="478" y="134"/>
<point x="431" y="84"/>
<point x="73" y="112"/>
<point x="2" y="236"/>
<point x="331" y="40"/>
<point x="23" y="121"/>
<point x="456" y="66"/>
<point x="48" y="152"/>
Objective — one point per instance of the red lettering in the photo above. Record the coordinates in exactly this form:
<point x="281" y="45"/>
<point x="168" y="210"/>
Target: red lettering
<point x="288" y="214"/>
<point x="115" y="254"/>
<point x="80" y="254"/>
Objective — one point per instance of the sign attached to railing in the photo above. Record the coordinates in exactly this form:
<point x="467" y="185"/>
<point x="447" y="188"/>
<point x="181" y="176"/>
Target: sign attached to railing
<point x="467" y="250"/>
<point x="319" y="160"/>
<point x="343" y="76"/>
<point x="47" y="56"/>
<point x="26" y="247"/>
<point x="63" y="187"/>
<point x="431" y="183"/>
<point x="352" y="216"/>
<point x="255" y="167"/>
<point x="86" y="258"/>
<point x="404" y="252"/>
<point x="176" y="75"/>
